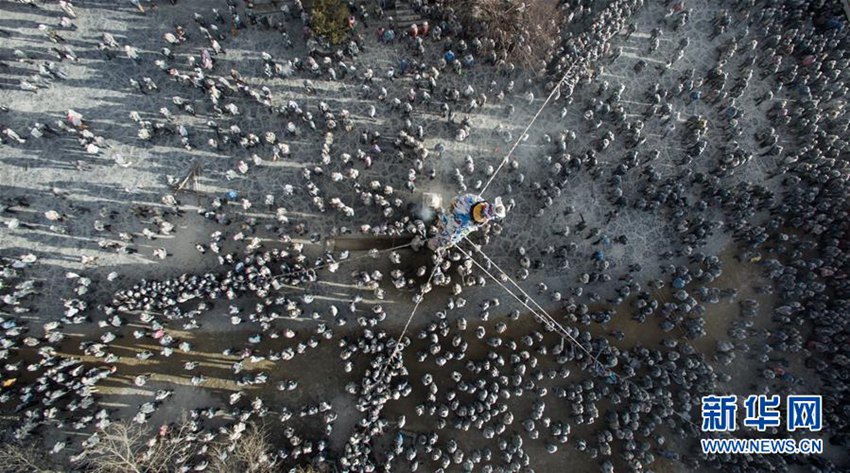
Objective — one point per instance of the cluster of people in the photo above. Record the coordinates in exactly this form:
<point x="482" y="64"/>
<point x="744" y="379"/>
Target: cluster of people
<point x="743" y="142"/>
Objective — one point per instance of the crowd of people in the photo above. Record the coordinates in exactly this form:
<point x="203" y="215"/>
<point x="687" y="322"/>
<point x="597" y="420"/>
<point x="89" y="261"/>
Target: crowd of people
<point x="745" y="140"/>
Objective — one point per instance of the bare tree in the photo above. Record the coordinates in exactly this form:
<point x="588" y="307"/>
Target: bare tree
<point x="304" y="469"/>
<point x="525" y="32"/>
<point x="17" y="457"/>
<point x="125" y="447"/>
<point x="248" y="451"/>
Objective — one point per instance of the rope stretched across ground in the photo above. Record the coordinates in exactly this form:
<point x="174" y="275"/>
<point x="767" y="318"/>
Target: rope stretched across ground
<point x="580" y="63"/>
<point x="550" y="320"/>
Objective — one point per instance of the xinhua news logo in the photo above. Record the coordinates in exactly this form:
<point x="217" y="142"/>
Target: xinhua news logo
<point x="761" y="412"/>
